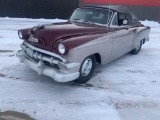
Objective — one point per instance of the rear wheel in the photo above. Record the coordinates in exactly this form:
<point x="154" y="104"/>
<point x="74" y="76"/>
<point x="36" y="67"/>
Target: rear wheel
<point x="87" y="69"/>
<point x="137" y="50"/>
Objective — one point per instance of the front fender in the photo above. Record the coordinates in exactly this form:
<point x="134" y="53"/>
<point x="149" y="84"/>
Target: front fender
<point x="76" y="41"/>
<point x="101" y="45"/>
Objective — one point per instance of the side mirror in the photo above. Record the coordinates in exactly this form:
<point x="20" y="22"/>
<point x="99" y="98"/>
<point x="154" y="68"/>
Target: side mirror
<point x="125" y="22"/>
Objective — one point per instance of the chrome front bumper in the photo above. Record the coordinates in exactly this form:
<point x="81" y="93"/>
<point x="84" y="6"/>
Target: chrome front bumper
<point x="68" y="71"/>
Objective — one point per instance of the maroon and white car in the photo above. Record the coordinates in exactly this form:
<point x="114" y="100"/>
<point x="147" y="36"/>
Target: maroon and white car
<point x="70" y="50"/>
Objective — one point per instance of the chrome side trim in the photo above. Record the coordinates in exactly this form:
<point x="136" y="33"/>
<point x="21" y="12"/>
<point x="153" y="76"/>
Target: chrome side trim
<point x="44" y="51"/>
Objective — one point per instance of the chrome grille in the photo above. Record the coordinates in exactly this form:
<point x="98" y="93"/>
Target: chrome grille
<point x="36" y="55"/>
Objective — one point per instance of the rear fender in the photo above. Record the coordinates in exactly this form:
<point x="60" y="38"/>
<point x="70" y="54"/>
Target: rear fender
<point x="142" y="34"/>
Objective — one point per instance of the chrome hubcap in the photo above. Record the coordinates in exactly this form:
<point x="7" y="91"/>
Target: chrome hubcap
<point x="86" y="67"/>
<point x="138" y="47"/>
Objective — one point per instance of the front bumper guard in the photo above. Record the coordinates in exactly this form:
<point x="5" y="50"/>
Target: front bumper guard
<point x="41" y="68"/>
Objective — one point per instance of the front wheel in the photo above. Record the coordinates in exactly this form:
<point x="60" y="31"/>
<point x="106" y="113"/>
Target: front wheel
<point x="87" y="69"/>
<point x="137" y="50"/>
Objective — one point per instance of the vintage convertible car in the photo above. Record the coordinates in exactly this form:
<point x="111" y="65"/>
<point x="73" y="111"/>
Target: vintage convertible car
<point x="70" y="50"/>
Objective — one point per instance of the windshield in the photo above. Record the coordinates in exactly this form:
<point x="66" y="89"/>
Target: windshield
<point x="99" y="16"/>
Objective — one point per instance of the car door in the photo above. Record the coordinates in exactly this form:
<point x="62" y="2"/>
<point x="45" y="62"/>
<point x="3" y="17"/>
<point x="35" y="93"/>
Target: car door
<point x="122" y="42"/>
<point x="122" y="38"/>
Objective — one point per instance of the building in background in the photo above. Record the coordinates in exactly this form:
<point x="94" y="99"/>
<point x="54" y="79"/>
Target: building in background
<point x="38" y="8"/>
<point x="144" y="9"/>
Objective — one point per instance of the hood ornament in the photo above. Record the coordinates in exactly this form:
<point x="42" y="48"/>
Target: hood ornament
<point x="33" y="30"/>
<point x="33" y="39"/>
<point x="37" y="28"/>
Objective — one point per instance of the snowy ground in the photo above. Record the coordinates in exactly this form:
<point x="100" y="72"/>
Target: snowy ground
<point x="125" y="89"/>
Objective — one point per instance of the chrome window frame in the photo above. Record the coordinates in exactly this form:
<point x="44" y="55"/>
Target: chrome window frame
<point x="111" y="23"/>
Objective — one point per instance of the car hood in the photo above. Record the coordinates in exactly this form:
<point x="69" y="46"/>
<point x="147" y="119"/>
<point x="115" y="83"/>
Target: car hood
<point x="50" y="34"/>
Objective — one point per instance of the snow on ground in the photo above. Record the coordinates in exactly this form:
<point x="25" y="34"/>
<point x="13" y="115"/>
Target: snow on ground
<point x="125" y="89"/>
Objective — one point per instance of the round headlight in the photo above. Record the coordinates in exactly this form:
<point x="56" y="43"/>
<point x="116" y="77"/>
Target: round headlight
<point x="20" y="34"/>
<point x="61" y="48"/>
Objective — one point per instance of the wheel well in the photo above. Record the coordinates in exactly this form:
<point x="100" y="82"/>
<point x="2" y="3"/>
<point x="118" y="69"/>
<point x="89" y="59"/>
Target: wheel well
<point x="98" y="57"/>
<point x="144" y="40"/>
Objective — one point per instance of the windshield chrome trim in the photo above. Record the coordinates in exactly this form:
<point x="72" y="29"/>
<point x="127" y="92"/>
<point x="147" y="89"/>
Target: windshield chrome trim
<point x="94" y="22"/>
